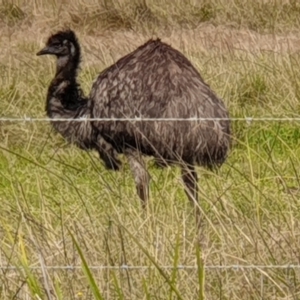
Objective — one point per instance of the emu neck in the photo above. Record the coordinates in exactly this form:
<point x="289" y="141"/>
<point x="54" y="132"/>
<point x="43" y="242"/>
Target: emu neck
<point x="65" y="98"/>
<point x="66" y="68"/>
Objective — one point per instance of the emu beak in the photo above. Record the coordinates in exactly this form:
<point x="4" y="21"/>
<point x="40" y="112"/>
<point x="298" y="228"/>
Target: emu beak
<point x="44" y="51"/>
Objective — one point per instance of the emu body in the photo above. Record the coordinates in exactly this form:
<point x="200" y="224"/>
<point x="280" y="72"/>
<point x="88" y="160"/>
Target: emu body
<point x="154" y="81"/>
<point x="157" y="81"/>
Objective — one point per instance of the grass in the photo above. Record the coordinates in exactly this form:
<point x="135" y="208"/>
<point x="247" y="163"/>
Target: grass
<point x="60" y="207"/>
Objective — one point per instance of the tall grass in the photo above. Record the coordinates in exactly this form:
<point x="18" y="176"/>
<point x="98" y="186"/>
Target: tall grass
<point x="60" y="207"/>
<point x="95" y="15"/>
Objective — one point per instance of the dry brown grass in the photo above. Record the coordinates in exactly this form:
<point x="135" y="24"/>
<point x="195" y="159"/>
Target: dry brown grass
<point x="248" y="51"/>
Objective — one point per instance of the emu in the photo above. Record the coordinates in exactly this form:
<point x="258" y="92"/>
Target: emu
<point x="153" y="81"/>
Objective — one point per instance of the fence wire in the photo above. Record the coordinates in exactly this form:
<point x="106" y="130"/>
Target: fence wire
<point x="238" y="268"/>
<point x="139" y="119"/>
<point x="179" y="267"/>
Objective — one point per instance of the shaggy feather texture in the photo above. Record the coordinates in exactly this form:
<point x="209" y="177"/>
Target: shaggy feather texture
<point x="157" y="81"/>
<point x="154" y="81"/>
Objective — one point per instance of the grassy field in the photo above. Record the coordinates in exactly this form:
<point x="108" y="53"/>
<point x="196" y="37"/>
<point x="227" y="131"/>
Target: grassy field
<point x="60" y="207"/>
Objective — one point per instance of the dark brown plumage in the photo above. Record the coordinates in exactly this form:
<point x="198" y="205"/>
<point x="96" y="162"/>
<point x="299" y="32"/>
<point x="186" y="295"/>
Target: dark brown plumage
<point x="154" y="81"/>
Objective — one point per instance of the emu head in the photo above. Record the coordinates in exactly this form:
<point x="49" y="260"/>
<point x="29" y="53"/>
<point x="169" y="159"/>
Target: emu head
<point x="64" y="45"/>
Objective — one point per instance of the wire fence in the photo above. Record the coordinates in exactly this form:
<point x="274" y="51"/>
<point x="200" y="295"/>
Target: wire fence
<point x="238" y="268"/>
<point x="139" y="119"/>
<point x="262" y="283"/>
<point x="178" y="267"/>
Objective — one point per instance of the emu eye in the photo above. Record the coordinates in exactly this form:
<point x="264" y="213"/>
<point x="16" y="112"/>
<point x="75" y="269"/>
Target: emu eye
<point x="57" y="44"/>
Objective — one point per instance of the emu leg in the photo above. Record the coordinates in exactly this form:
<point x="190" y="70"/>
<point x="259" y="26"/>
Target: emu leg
<point x="108" y="154"/>
<point x="141" y="176"/>
<point x="190" y="179"/>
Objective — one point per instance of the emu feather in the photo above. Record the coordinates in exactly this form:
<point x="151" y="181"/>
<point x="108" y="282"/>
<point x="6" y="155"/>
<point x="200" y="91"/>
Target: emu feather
<point x="153" y="81"/>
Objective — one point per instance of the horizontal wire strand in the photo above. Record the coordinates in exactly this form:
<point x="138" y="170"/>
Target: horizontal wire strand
<point x="179" y="267"/>
<point x="247" y="119"/>
<point x="126" y="267"/>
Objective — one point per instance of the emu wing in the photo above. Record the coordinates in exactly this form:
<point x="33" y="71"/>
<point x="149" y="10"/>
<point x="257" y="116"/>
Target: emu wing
<point x="157" y="81"/>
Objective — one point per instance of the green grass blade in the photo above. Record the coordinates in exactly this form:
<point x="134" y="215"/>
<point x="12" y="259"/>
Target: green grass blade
<point x="87" y="271"/>
<point x="146" y="289"/>
<point x="161" y="271"/>
<point x="175" y="264"/>
<point x="201" y="272"/>
<point x="118" y="288"/>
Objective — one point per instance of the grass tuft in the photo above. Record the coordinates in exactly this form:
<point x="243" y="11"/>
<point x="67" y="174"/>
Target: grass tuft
<point x="11" y="14"/>
<point x="248" y="52"/>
